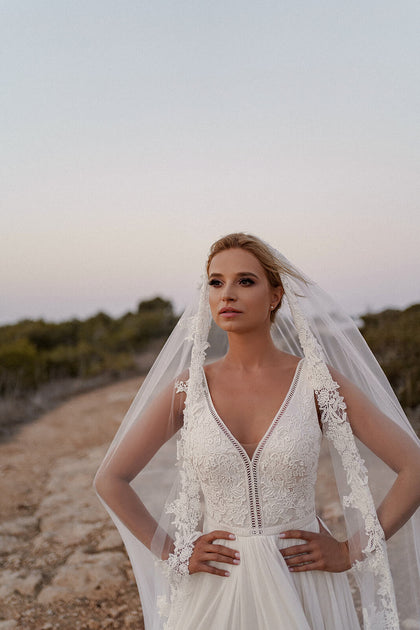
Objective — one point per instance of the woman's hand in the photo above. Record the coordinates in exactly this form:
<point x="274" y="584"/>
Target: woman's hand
<point x="321" y="552"/>
<point x="205" y="550"/>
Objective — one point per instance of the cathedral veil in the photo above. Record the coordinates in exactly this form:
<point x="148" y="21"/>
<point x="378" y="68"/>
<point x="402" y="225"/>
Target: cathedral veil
<point x="166" y="496"/>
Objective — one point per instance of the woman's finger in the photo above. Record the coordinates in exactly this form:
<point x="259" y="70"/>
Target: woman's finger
<point x="217" y="557"/>
<point x="298" y="534"/>
<point x="218" y="534"/>
<point x="302" y="560"/>
<point x="207" y="568"/>
<point x="295" y="549"/>
<point x="318" y="565"/>
<point x="226" y="551"/>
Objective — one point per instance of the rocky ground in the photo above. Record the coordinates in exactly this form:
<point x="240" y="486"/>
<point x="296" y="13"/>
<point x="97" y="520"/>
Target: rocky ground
<point x="63" y="565"/>
<point x="62" y="561"/>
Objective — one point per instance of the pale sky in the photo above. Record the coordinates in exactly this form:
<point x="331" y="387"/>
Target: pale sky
<point x="136" y="133"/>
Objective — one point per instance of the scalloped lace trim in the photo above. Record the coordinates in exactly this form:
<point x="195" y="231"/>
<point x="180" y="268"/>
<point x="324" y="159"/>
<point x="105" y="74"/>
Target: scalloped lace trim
<point x="186" y="508"/>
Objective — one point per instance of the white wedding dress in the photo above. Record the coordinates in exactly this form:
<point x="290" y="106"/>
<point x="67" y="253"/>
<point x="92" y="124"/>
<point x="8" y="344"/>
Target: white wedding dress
<point x="257" y="499"/>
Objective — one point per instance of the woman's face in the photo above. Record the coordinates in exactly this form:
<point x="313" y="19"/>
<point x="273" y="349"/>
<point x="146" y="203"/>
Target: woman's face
<point x="240" y="294"/>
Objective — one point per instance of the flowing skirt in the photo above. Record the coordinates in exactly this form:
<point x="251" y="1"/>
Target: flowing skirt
<point x="262" y="594"/>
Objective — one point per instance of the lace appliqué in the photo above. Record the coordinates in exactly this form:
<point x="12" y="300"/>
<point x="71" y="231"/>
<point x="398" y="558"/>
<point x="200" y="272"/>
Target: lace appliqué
<point x="221" y="472"/>
<point x="179" y="560"/>
<point x="381" y="615"/>
<point x="181" y="386"/>
<point x="288" y="467"/>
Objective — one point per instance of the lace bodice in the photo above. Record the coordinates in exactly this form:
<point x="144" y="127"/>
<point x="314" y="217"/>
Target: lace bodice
<point x="275" y="487"/>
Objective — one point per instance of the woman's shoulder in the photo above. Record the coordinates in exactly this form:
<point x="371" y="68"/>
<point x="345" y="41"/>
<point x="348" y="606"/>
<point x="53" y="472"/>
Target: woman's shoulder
<point x="289" y="360"/>
<point x="212" y="368"/>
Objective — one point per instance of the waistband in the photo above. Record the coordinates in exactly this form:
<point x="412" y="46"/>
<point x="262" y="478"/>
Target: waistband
<point x="211" y="524"/>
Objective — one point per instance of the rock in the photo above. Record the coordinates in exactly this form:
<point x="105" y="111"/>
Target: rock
<point x="13" y="561"/>
<point x="65" y="534"/>
<point x="133" y="617"/>
<point x="20" y="526"/>
<point x="42" y="543"/>
<point x="116" y="612"/>
<point x="110" y="540"/>
<point x="25" y="584"/>
<point x="8" y="544"/>
<point x="70" y="513"/>
<point x="87" y="575"/>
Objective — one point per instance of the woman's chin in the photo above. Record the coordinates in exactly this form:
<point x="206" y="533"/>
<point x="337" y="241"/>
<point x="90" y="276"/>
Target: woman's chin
<point x="229" y="324"/>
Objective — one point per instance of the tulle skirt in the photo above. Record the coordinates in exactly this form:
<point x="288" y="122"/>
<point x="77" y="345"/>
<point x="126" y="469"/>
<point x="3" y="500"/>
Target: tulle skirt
<point x="262" y="594"/>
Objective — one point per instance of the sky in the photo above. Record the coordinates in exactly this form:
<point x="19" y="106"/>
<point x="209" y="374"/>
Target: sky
<point x="134" y="134"/>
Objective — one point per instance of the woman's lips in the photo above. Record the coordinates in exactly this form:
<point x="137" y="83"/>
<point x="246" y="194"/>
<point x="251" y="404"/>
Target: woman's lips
<point x="229" y="314"/>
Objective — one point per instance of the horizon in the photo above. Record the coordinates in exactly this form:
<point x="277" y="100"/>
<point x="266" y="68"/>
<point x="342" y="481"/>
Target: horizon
<point x="177" y="313"/>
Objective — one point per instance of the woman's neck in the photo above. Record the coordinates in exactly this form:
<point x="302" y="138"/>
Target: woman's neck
<point x="251" y="351"/>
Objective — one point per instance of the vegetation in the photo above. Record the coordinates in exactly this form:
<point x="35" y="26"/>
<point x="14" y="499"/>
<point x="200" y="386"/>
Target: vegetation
<point x="394" y="337"/>
<point x="33" y="352"/>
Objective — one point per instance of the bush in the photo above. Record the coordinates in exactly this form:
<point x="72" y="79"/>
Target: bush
<point x="394" y="337"/>
<point x="19" y="366"/>
<point x="36" y="351"/>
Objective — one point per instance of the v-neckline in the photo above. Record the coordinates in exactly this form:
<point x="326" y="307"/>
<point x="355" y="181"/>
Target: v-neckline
<point x="272" y="424"/>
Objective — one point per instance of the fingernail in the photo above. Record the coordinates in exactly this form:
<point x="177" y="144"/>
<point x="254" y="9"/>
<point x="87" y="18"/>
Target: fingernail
<point x="282" y="535"/>
<point x="236" y="562"/>
<point x="227" y="573"/>
<point x="237" y="554"/>
<point x="232" y="536"/>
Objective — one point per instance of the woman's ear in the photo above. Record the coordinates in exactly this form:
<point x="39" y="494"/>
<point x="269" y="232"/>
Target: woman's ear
<point x="277" y="295"/>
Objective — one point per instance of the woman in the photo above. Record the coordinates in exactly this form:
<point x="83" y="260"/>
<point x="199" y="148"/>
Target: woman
<point x="227" y="523"/>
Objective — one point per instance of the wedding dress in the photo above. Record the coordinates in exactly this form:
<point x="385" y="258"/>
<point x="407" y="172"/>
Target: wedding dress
<point x="257" y="498"/>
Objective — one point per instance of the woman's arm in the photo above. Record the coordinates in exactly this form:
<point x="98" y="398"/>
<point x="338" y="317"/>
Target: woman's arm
<point x="392" y="445"/>
<point x="398" y="450"/>
<point x="112" y="482"/>
<point x="159" y="422"/>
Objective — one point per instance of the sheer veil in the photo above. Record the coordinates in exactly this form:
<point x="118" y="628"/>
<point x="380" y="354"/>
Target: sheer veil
<point x="166" y="499"/>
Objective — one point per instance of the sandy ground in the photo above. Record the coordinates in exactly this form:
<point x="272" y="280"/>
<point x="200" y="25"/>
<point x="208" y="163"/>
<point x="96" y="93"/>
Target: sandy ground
<point x="63" y="565"/>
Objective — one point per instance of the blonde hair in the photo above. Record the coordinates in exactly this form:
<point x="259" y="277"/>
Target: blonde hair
<point x="270" y="263"/>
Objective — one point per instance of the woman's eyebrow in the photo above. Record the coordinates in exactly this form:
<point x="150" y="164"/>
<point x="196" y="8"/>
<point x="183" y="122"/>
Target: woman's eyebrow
<point x="239" y="274"/>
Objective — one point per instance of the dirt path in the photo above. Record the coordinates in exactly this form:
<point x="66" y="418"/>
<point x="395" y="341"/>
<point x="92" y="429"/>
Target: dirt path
<point x="62" y="561"/>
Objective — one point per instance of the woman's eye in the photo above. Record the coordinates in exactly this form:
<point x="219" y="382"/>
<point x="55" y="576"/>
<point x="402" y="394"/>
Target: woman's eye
<point x="243" y="281"/>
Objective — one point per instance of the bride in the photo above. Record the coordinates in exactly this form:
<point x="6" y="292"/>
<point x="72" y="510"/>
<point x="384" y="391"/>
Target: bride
<point x="211" y="476"/>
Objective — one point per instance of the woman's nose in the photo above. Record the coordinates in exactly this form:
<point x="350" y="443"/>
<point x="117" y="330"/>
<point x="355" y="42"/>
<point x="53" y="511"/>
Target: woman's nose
<point x="228" y="292"/>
